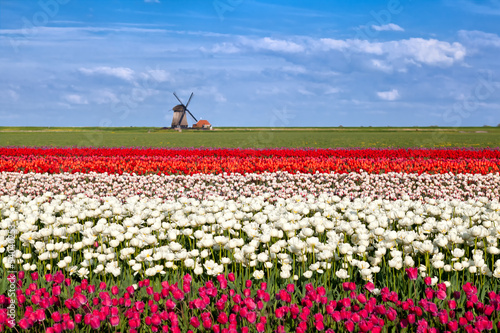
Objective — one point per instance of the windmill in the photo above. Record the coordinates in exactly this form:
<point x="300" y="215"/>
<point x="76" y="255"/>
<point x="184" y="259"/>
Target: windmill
<point x="179" y="119"/>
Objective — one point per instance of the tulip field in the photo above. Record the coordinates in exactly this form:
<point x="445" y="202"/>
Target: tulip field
<point x="249" y="240"/>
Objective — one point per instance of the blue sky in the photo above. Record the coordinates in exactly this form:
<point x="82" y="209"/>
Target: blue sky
<point x="250" y="63"/>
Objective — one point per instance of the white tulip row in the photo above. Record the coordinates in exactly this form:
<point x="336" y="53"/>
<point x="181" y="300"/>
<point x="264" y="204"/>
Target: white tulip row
<point x="296" y="236"/>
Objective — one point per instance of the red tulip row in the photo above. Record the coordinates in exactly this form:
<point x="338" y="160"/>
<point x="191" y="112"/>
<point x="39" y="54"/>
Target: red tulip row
<point x="223" y="307"/>
<point x="410" y="153"/>
<point x="217" y="161"/>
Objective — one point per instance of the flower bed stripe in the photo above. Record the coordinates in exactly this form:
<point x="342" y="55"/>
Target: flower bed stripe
<point x="391" y="186"/>
<point x="217" y="161"/>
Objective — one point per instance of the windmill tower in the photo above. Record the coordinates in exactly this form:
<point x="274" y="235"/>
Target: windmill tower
<point x="179" y="119"/>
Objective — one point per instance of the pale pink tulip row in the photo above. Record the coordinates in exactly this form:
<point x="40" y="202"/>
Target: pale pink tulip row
<point x="275" y="185"/>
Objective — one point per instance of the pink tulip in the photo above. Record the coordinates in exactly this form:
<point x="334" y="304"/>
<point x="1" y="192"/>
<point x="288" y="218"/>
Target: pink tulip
<point x="349" y="326"/>
<point x="24" y="324"/>
<point x="412" y="273"/>
<point x="194" y="322"/>
<point x="178" y="294"/>
<point x="207" y="323"/>
<point x="452" y="326"/>
<point x="441" y="294"/>
<point x="370" y="286"/>
<point x="251" y="317"/>
<point x="56" y="316"/>
<point x="95" y="323"/>
<point x="222" y="318"/>
<point x="40" y="315"/>
<point x="320" y="326"/>
<point x="361" y="298"/>
<point x="114" y="320"/>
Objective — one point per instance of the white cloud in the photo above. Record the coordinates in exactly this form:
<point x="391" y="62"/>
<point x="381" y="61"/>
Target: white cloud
<point x="105" y="97"/>
<point x="387" y="27"/>
<point x="277" y="45"/>
<point x="304" y="91"/>
<point x="381" y="65"/>
<point x="228" y="48"/>
<point x="293" y="69"/>
<point x="123" y="73"/>
<point x="479" y="38"/>
<point x="390" y="95"/>
<point x="9" y="95"/>
<point x="487" y="7"/>
<point x="396" y="54"/>
<point x="13" y="95"/>
<point x="75" y="99"/>
<point x="332" y="90"/>
<point x="426" y="51"/>
<point x="158" y="75"/>
<point x="206" y="91"/>
<point x="270" y="91"/>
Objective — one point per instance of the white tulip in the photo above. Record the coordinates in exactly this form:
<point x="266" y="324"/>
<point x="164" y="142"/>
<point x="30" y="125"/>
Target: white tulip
<point x="258" y="275"/>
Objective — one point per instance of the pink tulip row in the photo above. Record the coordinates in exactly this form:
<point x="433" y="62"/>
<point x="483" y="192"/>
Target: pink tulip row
<point x="58" y="303"/>
<point x="276" y="185"/>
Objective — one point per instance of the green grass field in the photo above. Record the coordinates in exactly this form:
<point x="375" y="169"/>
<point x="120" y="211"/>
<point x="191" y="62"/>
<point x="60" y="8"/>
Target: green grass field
<point x="252" y="137"/>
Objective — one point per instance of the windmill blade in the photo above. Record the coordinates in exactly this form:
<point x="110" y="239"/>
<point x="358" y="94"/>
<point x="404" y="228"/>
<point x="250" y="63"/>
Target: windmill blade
<point x="178" y="98"/>
<point x="189" y="100"/>
<point x="182" y="117"/>
<point x="192" y="115"/>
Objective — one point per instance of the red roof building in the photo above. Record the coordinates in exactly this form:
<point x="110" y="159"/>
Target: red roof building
<point x="202" y="124"/>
